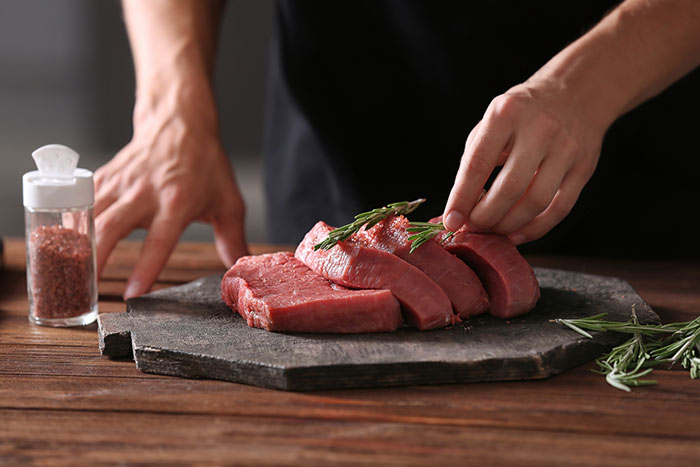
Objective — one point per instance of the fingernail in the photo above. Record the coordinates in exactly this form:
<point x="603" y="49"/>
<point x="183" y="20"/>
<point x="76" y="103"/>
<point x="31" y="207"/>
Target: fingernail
<point x="133" y="289"/>
<point x="454" y="220"/>
<point x="517" y="239"/>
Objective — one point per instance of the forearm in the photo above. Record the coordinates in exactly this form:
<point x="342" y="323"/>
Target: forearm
<point x="173" y="45"/>
<point x="634" y="53"/>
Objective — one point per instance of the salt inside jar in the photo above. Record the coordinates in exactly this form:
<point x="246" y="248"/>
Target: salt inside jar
<point x="60" y="237"/>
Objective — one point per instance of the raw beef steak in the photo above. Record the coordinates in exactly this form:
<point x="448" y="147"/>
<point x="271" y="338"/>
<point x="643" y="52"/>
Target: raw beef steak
<point x="352" y="264"/>
<point x="277" y="292"/>
<point x="508" y="278"/>
<point x="459" y="282"/>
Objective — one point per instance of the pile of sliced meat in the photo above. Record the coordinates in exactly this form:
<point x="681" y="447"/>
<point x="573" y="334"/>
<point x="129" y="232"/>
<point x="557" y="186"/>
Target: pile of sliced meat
<point x="372" y="283"/>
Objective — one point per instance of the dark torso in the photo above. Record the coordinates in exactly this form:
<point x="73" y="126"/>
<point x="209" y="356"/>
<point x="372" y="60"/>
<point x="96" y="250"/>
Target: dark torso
<point x="371" y="102"/>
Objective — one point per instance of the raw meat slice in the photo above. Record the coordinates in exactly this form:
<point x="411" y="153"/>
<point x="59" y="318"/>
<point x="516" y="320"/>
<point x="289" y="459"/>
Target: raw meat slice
<point x="508" y="278"/>
<point x="456" y="279"/>
<point x="352" y="264"/>
<point x="278" y="292"/>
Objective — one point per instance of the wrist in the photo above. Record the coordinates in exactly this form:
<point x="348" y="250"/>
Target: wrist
<point x="593" y="94"/>
<point x="185" y="94"/>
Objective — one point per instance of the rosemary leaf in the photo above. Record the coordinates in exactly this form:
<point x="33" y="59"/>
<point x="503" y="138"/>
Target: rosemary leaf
<point x="684" y="345"/>
<point x="695" y="368"/>
<point x="424" y="231"/>
<point x="572" y="326"/>
<point x="367" y="219"/>
<point x="596" y="323"/>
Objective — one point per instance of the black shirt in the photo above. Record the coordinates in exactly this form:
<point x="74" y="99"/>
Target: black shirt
<point x="371" y="102"/>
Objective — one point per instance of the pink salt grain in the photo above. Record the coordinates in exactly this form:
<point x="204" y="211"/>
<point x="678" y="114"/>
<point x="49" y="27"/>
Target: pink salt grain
<point x="60" y="272"/>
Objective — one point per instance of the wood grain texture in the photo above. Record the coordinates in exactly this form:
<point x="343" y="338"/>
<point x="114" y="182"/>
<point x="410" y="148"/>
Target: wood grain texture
<point x="61" y="402"/>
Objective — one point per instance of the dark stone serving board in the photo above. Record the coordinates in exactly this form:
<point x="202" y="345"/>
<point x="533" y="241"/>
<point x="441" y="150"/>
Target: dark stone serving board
<point x="188" y="331"/>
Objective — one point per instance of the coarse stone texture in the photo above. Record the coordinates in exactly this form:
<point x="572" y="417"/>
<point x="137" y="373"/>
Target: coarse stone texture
<point x="188" y="331"/>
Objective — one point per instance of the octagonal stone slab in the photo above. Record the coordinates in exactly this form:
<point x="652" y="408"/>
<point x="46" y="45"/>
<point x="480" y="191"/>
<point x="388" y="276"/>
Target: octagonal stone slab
<point x="188" y="331"/>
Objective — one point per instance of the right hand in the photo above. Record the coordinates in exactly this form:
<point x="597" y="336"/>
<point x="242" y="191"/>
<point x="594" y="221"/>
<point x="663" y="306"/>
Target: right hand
<point x="174" y="171"/>
<point x="548" y="148"/>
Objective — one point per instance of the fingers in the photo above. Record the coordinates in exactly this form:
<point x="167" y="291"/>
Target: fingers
<point x="547" y="157"/>
<point x="102" y="203"/>
<point x="115" y="223"/>
<point x="558" y="209"/>
<point x="484" y="148"/>
<point x="229" y="238"/>
<point x="108" y="179"/>
<point x="160" y="242"/>
<point x="102" y="198"/>
<point x="537" y="198"/>
<point x="529" y="148"/>
<point x="105" y="196"/>
<point x="542" y="188"/>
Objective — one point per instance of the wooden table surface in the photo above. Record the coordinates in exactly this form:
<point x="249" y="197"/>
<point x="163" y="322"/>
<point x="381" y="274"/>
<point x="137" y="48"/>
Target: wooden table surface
<point x="62" y="402"/>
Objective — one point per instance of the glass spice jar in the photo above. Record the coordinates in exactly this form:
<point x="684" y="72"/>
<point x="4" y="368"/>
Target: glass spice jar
<point x="60" y="239"/>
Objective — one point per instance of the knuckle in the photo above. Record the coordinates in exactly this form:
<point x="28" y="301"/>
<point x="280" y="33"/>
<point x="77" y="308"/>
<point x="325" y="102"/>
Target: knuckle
<point x="106" y="223"/>
<point x="503" y="106"/>
<point x="507" y="106"/>
<point x="510" y="188"/>
<point x="470" y="137"/>
<point x="139" y="191"/>
<point x="537" y="204"/>
<point x="104" y="178"/>
<point x="99" y="177"/>
<point x="589" y="166"/>
<point x="135" y="198"/>
<point x="478" y="163"/>
<point x="538" y="201"/>
<point x="174" y="199"/>
<point x="559" y="212"/>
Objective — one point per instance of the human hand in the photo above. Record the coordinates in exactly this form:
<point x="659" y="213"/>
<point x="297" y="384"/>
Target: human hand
<point x="173" y="172"/>
<point x="549" y="148"/>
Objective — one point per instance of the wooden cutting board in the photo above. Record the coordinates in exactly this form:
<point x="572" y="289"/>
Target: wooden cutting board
<point x="188" y="331"/>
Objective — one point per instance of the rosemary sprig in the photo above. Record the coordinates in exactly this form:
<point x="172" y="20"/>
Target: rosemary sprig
<point x="597" y="323"/>
<point x="684" y="348"/>
<point x="424" y="231"/>
<point x="623" y="366"/>
<point x="623" y="379"/>
<point x="649" y="346"/>
<point x="368" y="220"/>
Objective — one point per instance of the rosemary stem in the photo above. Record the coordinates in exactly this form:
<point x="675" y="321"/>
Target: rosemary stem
<point x="649" y="346"/>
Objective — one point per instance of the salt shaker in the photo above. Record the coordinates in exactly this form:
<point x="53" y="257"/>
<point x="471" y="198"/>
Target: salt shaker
<point x="60" y="236"/>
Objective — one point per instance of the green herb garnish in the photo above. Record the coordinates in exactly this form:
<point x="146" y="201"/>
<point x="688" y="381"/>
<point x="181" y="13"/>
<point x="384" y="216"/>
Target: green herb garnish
<point x="649" y="346"/>
<point x="368" y="220"/>
<point x="424" y="231"/>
